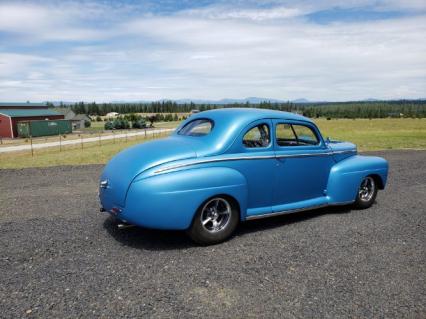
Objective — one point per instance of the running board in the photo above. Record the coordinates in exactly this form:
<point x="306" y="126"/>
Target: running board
<point x="290" y="211"/>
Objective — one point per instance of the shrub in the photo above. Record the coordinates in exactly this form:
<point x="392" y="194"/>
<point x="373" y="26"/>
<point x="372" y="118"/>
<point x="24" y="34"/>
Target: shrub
<point x="87" y="123"/>
<point x="139" y="124"/>
<point x="109" y="125"/>
<point x="120" y="124"/>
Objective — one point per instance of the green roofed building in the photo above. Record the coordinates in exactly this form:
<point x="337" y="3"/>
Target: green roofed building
<point x="26" y="105"/>
<point x="15" y="113"/>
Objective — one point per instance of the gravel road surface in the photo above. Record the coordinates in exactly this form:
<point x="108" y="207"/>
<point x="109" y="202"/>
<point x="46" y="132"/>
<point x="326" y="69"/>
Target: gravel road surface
<point x="61" y="258"/>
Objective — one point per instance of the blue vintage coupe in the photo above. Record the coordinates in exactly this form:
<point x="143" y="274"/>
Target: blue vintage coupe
<point x="224" y="166"/>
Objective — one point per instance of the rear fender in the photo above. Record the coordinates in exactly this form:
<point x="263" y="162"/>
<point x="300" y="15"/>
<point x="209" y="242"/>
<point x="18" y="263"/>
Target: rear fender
<point x="346" y="176"/>
<point x="170" y="200"/>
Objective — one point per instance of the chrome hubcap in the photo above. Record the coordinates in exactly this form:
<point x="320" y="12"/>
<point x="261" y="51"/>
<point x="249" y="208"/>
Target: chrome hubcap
<point x="215" y="215"/>
<point x="367" y="188"/>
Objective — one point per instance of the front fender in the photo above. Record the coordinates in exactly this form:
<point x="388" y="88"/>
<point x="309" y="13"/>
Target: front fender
<point x="346" y="176"/>
<point x="170" y="200"/>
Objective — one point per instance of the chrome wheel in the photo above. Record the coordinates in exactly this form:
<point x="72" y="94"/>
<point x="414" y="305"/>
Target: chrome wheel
<point x="367" y="189"/>
<point x="215" y="215"/>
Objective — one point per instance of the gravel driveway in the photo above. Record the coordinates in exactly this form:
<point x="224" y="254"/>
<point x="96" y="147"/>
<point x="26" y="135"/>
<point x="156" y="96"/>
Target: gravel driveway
<point x="60" y="257"/>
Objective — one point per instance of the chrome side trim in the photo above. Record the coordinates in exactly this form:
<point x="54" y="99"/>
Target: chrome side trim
<point x="344" y="152"/>
<point x="290" y="211"/>
<point x="212" y="160"/>
<point x="237" y="158"/>
<point x="304" y="155"/>
<point x="285" y="212"/>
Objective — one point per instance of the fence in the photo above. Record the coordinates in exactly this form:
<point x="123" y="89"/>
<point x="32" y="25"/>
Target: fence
<point x="82" y="141"/>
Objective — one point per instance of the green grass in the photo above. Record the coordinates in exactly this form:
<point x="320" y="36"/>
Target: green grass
<point x="377" y="134"/>
<point x="166" y="124"/>
<point x="92" y="153"/>
<point x="95" y="127"/>
<point x="369" y="135"/>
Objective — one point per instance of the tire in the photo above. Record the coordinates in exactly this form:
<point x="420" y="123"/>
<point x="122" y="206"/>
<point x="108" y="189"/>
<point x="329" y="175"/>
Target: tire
<point x="367" y="193"/>
<point x="215" y="221"/>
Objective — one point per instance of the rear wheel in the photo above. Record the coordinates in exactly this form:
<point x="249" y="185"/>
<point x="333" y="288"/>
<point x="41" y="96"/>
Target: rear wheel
<point x="215" y="221"/>
<point x="367" y="193"/>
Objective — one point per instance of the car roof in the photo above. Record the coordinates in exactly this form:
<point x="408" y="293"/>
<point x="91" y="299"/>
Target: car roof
<point x="228" y="124"/>
<point x="248" y="115"/>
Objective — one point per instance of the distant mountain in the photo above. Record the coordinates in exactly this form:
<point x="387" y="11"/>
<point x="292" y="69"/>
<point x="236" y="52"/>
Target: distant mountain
<point x="370" y="100"/>
<point x="59" y="103"/>
<point x="251" y="100"/>
<point x="300" y="101"/>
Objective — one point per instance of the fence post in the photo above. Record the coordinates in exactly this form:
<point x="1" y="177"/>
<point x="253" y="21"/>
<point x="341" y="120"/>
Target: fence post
<point x="126" y="135"/>
<point x="113" y="139"/>
<point x="145" y="132"/>
<point x="81" y="140"/>
<point x="60" y="143"/>
<point x="99" y="139"/>
<point x="31" y="141"/>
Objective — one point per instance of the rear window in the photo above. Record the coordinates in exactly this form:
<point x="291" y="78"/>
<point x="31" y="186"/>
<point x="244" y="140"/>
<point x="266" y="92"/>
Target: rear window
<point x="200" y="127"/>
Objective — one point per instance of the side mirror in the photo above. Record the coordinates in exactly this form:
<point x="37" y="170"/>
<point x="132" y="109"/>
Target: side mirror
<point x="327" y="140"/>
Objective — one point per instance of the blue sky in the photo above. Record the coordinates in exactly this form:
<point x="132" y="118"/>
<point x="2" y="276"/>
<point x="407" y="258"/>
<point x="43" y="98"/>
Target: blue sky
<point x="149" y="50"/>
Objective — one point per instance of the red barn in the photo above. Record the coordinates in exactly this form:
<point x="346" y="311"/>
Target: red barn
<point x="12" y="113"/>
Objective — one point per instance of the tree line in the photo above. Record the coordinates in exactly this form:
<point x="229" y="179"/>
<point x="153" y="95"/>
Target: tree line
<point x="367" y="109"/>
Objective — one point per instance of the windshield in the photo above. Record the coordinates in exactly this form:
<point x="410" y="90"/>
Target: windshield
<point x="199" y="127"/>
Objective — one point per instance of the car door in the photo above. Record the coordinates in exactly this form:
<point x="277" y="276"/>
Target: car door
<point x="254" y="157"/>
<point x="303" y="164"/>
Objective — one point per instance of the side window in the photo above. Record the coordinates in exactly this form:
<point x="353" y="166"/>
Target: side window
<point x="258" y="136"/>
<point x="305" y="135"/>
<point x="295" y="135"/>
<point x="285" y="135"/>
<point x="198" y="127"/>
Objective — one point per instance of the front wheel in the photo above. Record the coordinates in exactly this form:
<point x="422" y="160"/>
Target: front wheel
<point x="214" y="222"/>
<point x="367" y="193"/>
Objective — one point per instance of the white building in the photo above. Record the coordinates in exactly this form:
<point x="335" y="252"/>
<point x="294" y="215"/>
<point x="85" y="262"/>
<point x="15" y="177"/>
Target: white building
<point x="112" y="114"/>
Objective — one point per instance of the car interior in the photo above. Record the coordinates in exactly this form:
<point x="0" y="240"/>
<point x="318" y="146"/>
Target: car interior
<point x="258" y="136"/>
<point x="295" y="135"/>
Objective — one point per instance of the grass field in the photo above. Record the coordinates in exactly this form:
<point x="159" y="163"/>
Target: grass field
<point x="377" y="134"/>
<point x="369" y="135"/>
<point x="92" y="153"/>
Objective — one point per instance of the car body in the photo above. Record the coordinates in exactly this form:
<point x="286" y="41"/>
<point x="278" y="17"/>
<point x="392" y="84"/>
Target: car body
<point x="259" y="162"/>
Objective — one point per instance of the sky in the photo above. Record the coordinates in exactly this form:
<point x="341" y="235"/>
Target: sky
<point x="120" y="50"/>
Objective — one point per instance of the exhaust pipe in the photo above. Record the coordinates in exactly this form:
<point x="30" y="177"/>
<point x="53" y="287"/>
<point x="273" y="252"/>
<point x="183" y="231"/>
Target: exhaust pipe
<point x="124" y="226"/>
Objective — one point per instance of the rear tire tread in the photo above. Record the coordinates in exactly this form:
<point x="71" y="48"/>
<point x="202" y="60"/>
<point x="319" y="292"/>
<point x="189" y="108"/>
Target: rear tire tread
<point x="199" y="235"/>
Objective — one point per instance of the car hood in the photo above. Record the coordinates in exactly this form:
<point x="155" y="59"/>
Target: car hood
<point x="126" y="165"/>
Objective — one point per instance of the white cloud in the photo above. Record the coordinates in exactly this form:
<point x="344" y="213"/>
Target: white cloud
<point x="13" y="64"/>
<point x="213" y="53"/>
<point x="36" y="23"/>
<point x="227" y="12"/>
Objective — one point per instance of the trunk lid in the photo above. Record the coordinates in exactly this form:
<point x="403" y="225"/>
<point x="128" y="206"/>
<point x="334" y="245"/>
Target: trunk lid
<point x="126" y="165"/>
